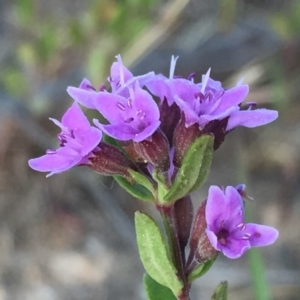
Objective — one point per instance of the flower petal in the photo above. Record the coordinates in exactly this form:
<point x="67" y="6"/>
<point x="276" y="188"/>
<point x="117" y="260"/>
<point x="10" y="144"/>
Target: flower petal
<point x="89" y="139"/>
<point x="120" y="132"/>
<point x="83" y="96"/>
<point x="184" y="89"/>
<point x="261" y="235"/>
<point x="74" y="118"/>
<point x="232" y="97"/>
<point x="234" y="248"/>
<point x="141" y="79"/>
<point x="235" y="206"/>
<point x="125" y="132"/>
<point x="213" y="239"/>
<point x="147" y="132"/>
<point x="190" y="115"/>
<point x="62" y="160"/>
<point x="251" y="118"/>
<point x="86" y="85"/>
<point x="111" y="106"/>
<point x="142" y="101"/>
<point x="216" y="211"/>
<point x="159" y="86"/>
<point x="118" y="73"/>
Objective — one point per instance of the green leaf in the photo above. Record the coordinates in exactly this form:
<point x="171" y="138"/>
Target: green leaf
<point x="205" y="166"/>
<point x="220" y="292"/>
<point x="194" y="169"/>
<point x="134" y="189"/>
<point x="154" y="254"/>
<point x="201" y="269"/>
<point x="142" y="180"/>
<point x="156" y="291"/>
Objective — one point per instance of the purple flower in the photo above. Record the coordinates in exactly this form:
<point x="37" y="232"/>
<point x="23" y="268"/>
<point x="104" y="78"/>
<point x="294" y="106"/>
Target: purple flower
<point x="120" y="79"/>
<point x="226" y="229"/>
<point x="212" y="102"/>
<point x="208" y="101"/>
<point x="135" y="118"/>
<point x="77" y="139"/>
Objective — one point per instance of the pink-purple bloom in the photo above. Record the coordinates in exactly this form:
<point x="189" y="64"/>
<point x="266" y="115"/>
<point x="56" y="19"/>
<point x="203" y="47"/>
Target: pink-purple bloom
<point x="130" y="110"/>
<point x="134" y="118"/>
<point x="208" y="101"/>
<point x="78" y="139"/>
<point x="226" y="229"/>
<point x="120" y="80"/>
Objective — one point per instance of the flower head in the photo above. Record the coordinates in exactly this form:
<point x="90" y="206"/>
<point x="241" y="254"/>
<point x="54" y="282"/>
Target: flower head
<point x="212" y="102"/>
<point x="208" y="101"/>
<point x="77" y="140"/>
<point x="120" y="80"/>
<point x="226" y="229"/>
<point x="134" y="118"/>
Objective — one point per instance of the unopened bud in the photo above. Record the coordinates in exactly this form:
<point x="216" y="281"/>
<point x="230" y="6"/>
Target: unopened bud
<point x="184" y="211"/>
<point x="169" y="116"/>
<point x="183" y="138"/>
<point x="200" y="246"/>
<point x="155" y="151"/>
<point x="109" y="160"/>
<point x="218" y="129"/>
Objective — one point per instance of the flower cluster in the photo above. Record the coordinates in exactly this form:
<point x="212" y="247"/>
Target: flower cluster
<point x="146" y="126"/>
<point x="183" y="111"/>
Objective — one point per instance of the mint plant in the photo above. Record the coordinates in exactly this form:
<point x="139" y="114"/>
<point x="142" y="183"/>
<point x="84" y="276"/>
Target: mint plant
<point x="156" y="137"/>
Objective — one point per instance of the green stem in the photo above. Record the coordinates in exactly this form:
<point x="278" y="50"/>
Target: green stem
<point x="167" y="214"/>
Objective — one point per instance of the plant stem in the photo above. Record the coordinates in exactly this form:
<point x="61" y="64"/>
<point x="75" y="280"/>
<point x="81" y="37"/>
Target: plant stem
<point x="169" y="222"/>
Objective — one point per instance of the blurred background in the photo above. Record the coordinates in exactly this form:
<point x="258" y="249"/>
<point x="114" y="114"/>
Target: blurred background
<point x="71" y="237"/>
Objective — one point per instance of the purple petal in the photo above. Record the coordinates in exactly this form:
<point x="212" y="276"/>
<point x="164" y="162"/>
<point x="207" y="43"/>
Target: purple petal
<point x="111" y="106"/>
<point x="89" y="139"/>
<point x="232" y="97"/>
<point x="141" y="79"/>
<point x="234" y="248"/>
<point x="120" y="132"/>
<point x="62" y="160"/>
<point x="147" y="132"/>
<point x="118" y="73"/>
<point x="142" y="101"/>
<point x="184" y="89"/>
<point x="212" y="238"/>
<point x="216" y="211"/>
<point x="261" y="235"/>
<point x="86" y="85"/>
<point x="125" y="132"/>
<point x="251" y="118"/>
<point x="74" y="118"/>
<point x="235" y="206"/>
<point x="160" y="86"/>
<point x="191" y="116"/>
<point x="83" y="96"/>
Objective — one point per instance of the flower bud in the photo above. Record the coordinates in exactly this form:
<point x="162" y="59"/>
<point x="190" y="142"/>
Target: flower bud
<point x="200" y="246"/>
<point x="155" y="150"/>
<point x="169" y="116"/>
<point x="183" y="138"/>
<point x="218" y="129"/>
<point x="109" y="160"/>
<point x="184" y="212"/>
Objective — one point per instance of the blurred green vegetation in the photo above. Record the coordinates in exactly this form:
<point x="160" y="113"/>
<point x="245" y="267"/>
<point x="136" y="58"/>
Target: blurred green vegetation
<point x="49" y="45"/>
